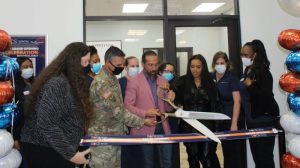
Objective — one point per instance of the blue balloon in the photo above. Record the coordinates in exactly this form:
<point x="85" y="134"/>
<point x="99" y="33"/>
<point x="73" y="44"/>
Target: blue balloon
<point x="293" y="61"/>
<point x="294" y="103"/>
<point x="6" y="112"/>
<point x="7" y="66"/>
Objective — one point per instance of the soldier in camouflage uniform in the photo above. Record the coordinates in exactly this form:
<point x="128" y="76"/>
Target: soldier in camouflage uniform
<point x="111" y="116"/>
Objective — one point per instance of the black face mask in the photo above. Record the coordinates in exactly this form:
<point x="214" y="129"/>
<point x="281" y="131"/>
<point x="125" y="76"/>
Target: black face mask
<point x="117" y="70"/>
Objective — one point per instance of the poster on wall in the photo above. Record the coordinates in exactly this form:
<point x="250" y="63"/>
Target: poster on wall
<point x="33" y="47"/>
<point x="102" y="46"/>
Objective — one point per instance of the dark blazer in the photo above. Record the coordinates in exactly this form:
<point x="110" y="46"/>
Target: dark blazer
<point x="261" y="93"/>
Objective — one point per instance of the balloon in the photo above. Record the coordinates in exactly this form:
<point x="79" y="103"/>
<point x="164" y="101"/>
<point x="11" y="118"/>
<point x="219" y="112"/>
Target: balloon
<point x="289" y="136"/>
<point x="290" y="6"/>
<point x="290" y="82"/>
<point x="12" y="160"/>
<point x="289" y="161"/>
<point x="294" y="103"/>
<point x="5" y="41"/>
<point x="8" y="65"/>
<point x="6" y="111"/>
<point x="293" y="61"/>
<point x="290" y="122"/>
<point x="6" y="141"/>
<point x="294" y="146"/>
<point x="290" y="39"/>
<point x="6" y="92"/>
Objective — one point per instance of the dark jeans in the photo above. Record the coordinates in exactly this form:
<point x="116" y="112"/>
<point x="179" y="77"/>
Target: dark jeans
<point x="233" y="150"/>
<point x="262" y="148"/>
<point x="174" y="124"/>
<point x="159" y="155"/>
<point x="37" y="156"/>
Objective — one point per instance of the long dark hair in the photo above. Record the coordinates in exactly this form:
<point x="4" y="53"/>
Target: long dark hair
<point x="206" y="80"/>
<point x="68" y="63"/>
<point x="261" y="59"/>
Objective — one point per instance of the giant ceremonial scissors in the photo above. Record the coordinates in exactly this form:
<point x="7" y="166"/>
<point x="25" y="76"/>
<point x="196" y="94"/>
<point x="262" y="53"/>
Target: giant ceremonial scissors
<point x="191" y="118"/>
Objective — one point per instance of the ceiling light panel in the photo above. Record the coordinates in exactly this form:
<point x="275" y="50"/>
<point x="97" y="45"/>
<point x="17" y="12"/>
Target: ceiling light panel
<point x="159" y="40"/>
<point x="179" y="31"/>
<point x="207" y="7"/>
<point x="131" y="40"/>
<point x="134" y="8"/>
<point x="136" y="32"/>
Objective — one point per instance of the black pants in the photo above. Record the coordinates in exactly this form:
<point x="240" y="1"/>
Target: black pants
<point x="262" y="148"/>
<point x="205" y="152"/>
<point x="37" y="156"/>
<point x="233" y="150"/>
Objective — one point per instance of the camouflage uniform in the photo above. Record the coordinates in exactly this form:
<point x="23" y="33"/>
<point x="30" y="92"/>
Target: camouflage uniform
<point x="111" y="118"/>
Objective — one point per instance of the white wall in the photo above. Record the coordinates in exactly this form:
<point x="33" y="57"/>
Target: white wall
<point x="62" y="21"/>
<point x="264" y="20"/>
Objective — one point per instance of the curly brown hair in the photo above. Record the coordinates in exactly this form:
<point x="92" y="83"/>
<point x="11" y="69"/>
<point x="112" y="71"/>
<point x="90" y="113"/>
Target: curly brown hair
<point x="68" y="63"/>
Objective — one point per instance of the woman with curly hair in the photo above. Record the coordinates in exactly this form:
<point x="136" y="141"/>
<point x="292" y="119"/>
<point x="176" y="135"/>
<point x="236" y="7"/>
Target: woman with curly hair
<point x="58" y="111"/>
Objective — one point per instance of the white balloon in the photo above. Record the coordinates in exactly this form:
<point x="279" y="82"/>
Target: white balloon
<point x="289" y="136"/>
<point x="294" y="146"/>
<point x="6" y="141"/>
<point x="290" y="122"/>
<point x="290" y="6"/>
<point x="12" y="160"/>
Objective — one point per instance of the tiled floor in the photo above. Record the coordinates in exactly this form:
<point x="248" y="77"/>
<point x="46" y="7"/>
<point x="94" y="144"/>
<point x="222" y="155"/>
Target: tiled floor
<point x="183" y="156"/>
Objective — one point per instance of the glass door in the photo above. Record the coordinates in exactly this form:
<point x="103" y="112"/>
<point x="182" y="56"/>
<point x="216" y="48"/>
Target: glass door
<point x="206" y="37"/>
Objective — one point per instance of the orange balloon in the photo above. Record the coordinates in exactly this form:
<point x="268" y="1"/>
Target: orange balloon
<point x="290" y="82"/>
<point x="5" y="41"/>
<point x="289" y="161"/>
<point x="290" y="39"/>
<point x="6" y="92"/>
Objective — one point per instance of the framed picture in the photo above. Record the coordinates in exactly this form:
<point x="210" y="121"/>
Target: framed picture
<point x="31" y="46"/>
<point x="102" y="46"/>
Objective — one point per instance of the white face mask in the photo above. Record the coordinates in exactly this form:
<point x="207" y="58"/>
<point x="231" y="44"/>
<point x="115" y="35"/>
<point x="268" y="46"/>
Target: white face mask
<point x="27" y="73"/>
<point x="133" y="71"/>
<point x="247" y="61"/>
<point x="220" y="69"/>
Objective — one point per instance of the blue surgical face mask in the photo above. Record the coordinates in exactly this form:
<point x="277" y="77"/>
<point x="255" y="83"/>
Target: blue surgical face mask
<point x="133" y="71"/>
<point x="96" y="68"/>
<point x="168" y="76"/>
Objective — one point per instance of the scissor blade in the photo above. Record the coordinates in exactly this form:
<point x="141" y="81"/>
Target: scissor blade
<point x="202" y="128"/>
<point x="200" y="115"/>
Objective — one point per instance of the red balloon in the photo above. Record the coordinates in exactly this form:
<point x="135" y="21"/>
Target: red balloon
<point x="290" y="39"/>
<point x="289" y="161"/>
<point x="5" y="41"/>
<point x="6" y="92"/>
<point x="290" y="82"/>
